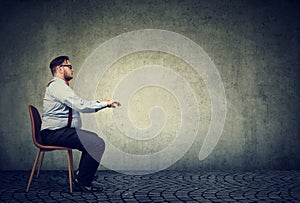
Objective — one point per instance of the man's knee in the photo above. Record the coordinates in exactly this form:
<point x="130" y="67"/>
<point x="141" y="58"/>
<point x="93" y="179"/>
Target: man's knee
<point x="98" y="142"/>
<point x="93" y="144"/>
<point x="101" y="143"/>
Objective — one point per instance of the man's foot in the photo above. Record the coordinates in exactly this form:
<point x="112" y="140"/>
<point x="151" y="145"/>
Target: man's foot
<point x="77" y="172"/>
<point x="94" y="187"/>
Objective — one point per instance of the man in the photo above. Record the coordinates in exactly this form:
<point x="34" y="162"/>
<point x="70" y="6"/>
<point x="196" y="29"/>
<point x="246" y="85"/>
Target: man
<point x="61" y="122"/>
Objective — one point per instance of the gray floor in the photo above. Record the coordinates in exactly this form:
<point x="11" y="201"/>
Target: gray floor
<point x="165" y="186"/>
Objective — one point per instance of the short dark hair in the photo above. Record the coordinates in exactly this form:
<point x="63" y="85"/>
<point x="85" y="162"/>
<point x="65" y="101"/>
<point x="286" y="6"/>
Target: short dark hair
<point x="57" y="62"/>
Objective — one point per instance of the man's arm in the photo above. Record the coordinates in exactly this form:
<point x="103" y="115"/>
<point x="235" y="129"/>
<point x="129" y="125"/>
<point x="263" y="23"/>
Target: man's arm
<point x="66" y="95"/>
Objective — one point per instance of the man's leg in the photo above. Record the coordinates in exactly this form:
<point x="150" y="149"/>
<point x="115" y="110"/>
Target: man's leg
<point x="91" y="157"/>
<point x="89" y="143"/>
<point x="87" y="168"/>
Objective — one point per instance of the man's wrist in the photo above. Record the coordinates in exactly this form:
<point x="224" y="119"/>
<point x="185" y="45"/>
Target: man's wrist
<point x="108" y="105"/>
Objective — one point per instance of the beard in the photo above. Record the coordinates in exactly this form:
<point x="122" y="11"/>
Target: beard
<point x="68" y="77"/>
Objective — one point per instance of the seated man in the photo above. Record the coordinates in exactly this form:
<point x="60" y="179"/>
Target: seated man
<point x="61" y="122"/>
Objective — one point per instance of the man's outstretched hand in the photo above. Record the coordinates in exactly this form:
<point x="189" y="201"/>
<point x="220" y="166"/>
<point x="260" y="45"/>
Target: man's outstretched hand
<point x="112" y="103"/>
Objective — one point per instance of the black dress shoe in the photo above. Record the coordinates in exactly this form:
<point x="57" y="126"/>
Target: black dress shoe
<point x="93" y="187"/>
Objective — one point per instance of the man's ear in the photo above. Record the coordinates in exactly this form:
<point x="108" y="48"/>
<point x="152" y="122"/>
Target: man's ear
<point x="59" y="69"/>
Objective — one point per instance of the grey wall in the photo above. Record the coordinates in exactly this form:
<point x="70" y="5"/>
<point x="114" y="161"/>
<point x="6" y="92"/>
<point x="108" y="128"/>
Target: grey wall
<point x="254" y="45"/>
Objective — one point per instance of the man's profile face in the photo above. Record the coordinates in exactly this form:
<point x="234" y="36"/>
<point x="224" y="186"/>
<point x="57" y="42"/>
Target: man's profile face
<point x="68" y="70"/>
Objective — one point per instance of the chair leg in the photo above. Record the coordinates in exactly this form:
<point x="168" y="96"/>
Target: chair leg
<point x="33" y="169"/>
<point x="41" y="163"/>
<point x="70" y="165"/>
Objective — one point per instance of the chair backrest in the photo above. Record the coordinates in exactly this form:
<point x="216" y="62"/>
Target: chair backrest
<point x="36" y="123"/>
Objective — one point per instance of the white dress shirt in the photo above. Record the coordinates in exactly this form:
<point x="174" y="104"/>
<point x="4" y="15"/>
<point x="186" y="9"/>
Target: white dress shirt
<point x="58" y="97"/>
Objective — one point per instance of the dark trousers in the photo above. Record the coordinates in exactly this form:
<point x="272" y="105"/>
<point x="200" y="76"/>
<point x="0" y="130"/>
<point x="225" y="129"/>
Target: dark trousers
<point x="69" y="137"/>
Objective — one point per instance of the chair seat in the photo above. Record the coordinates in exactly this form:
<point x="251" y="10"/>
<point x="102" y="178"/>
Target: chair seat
<point x="50" y="148"/>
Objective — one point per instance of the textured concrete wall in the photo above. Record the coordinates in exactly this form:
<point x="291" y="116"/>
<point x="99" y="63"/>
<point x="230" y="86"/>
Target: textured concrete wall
<point x="253" y="44"/>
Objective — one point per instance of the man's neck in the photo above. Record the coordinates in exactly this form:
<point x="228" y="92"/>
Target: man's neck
<point x="60" y="76"/>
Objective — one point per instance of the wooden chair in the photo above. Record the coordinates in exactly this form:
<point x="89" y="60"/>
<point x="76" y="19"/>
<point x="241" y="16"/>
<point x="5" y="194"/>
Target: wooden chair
<point x="36" y="137"/>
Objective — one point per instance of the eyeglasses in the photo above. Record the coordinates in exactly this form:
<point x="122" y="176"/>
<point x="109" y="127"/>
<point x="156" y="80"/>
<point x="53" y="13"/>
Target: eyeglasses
<point x="69" y="66"/>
